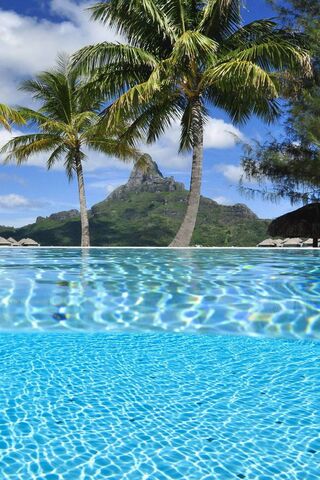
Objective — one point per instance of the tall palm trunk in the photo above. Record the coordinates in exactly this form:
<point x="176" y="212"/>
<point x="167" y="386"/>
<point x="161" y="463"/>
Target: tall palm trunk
<point x="85" y="232"/>
<point x="184" y="235"/>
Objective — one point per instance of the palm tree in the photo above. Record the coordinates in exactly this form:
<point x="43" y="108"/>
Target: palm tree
<point x="8" y="115"/>
<point x="181" y="56"/>
<point x="68" y="122"/>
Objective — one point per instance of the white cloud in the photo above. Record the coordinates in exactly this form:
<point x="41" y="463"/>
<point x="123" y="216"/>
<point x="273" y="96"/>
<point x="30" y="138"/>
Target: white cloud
<point x="217" y="134"/>
<point x="29" y="45"/>
<point x="233" y="173"/>
<point x="14" y="201"/>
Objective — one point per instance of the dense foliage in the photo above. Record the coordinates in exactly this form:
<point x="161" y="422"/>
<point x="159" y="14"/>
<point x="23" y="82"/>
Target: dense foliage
<point x="150" y="219"/>
<point x="292" y="164"/>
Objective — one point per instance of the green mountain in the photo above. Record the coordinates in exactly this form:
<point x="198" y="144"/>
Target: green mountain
<point x="147" y="211"/>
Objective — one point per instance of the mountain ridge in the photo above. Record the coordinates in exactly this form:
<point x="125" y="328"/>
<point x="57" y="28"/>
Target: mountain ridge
<point x="147" y="211"/>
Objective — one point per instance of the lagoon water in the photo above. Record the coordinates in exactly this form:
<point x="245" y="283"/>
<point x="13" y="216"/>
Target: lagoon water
<point x="159" y="364"/>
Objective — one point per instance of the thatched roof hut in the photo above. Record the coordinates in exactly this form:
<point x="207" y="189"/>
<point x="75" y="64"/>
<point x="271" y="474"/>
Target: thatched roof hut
<point x="28" y="242"/>
<point x="13" y="242"/>
<point x="304" y="222"/>
<point x="4" y="242"/>
<point x="269" y="243"/>
<point x="308" y="243"/>
<point x="278" y="242"/>
<point x="292" y="242"/>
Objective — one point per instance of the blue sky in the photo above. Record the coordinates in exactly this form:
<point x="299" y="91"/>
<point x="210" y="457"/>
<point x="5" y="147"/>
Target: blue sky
<point x="32" y="33"/>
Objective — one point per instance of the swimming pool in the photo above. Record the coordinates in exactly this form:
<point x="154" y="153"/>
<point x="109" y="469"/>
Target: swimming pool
<point x="104" y="374"/>
<point x="238" y="291"/>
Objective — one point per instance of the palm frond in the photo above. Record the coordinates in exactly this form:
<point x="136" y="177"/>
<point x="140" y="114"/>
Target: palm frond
<point x="84" y="120"/>
<point x="177" y="11"/>
<point x="20" y="148"/>
<point x="107" y="83"/>
<point x="69" y="162"/>
<point x="251" y="32"/>
<point x="220" y="18"/>
<point x="8" y="115"/>
<point x="142" y="22"/>
<point x="241" y="74"/>
<point x="56" y="156"/>
<point x="193" y="46"/>
<point x="113" y="147"/>
<point x="54" y="91"/>
<point x="242" y="103"/>
<point x="96" y="56"/>
<point x="274" y="54"/>
<point x="133" y="101"/>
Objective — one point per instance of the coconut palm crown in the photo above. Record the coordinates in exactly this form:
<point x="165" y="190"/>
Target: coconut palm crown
<point x="68" y="123"/>
<point x="180" y="57"/>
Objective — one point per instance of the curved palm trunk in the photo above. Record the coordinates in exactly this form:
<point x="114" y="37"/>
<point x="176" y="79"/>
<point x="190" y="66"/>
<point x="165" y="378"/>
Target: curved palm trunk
<point x="85" y="232"/>
<point x="184" y="235"/>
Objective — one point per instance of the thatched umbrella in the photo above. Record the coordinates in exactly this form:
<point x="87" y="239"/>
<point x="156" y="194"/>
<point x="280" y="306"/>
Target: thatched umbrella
<point x="4" y="242"/>
<point x="267" y="243"/>
<point x="308" y="243"/>
<point x="13" y="242"/>
<point x="292" y="242"/>
<point x="28" y="242"/>
<point x="304" y="222"/>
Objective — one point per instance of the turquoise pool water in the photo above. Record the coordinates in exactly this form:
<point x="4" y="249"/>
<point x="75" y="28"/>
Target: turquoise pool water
<point x="104" y="375"/>
<point x="247" y="292"/>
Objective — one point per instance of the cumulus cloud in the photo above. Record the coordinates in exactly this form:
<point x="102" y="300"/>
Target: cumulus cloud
<point x="29" y="44"/>
<point x="217" y="134"/>
<point x="233" y="173"/>
<point x="14" y="201"/>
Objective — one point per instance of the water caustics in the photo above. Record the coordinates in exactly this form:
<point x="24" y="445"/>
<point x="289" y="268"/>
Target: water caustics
<point x="118" y="399"/>
<point x="250" y="292"/>
<point x="158" y="407"/>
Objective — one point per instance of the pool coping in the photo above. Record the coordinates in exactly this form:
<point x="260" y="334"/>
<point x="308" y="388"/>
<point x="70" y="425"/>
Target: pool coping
<point x="157" y="248"/>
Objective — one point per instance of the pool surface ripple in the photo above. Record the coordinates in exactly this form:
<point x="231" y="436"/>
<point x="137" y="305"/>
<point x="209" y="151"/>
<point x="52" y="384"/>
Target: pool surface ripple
<point x="247" y="292"/>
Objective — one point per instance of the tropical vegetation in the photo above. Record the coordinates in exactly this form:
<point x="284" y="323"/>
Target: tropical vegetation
<point x="8" y="116"/>
<point x="292" y="163"/>
<point x="68" y="123"/>
<point x="182" y="56"/>
<point x="148" y="219"/>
